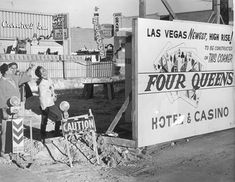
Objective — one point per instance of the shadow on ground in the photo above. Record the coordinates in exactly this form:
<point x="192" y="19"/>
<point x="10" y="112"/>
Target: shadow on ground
<point x="104" y="110"/>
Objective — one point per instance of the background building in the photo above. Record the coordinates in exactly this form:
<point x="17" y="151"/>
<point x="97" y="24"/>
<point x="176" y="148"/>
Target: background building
<point x="32" y="33"/>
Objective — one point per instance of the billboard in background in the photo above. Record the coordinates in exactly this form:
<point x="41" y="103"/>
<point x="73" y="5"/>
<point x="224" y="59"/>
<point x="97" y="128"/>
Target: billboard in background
<point x="184" y="80"/>
<point x="60" y="21"/>
<point x="107" y="30"/>
<point x="57" y="34"/>
<point x="24" y="25"/>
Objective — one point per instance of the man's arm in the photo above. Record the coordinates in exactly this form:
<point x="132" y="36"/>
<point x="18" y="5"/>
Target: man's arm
<point x="3" y="102"/>
<point x="4" y="113"/>
<point x="26" y="76"/>
<point x="28" y="71"/>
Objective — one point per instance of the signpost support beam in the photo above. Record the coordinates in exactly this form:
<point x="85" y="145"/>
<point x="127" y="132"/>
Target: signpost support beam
<point x="68" y="151"/>
<point x="168" y="7"/>
<point x="218" y="11"/>
<point x="119" y="115"/>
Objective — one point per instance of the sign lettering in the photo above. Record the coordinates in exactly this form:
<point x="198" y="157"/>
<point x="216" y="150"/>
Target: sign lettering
<point x="79" y="124"/>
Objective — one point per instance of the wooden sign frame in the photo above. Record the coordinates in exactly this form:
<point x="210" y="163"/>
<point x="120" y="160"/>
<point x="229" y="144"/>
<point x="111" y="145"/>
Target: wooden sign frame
<point x="79" y="125"/>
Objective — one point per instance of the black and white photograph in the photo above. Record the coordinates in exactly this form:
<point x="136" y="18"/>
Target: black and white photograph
<point x="117" y="91"/>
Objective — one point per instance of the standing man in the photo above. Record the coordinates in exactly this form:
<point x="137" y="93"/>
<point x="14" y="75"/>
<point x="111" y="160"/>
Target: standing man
<point x="25" y="88"/>
<point x="47" y="99"/>
<point x="9" y="87"/>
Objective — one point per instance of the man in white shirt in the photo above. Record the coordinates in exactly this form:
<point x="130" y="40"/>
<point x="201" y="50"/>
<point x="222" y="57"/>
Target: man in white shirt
<point x="47" y="99"/>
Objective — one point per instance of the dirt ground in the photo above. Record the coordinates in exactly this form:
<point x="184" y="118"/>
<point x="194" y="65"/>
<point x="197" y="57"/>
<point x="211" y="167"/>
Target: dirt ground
<point x="209" y="157"/>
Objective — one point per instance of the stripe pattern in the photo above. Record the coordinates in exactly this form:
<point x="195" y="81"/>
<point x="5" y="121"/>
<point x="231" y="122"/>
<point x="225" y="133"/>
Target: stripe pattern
<point x="18" y="135"/>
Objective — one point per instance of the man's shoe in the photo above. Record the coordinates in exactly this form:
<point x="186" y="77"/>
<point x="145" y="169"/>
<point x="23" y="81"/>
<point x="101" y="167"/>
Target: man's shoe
<point x="43" y="137"/>
<point x="5" y="158"/>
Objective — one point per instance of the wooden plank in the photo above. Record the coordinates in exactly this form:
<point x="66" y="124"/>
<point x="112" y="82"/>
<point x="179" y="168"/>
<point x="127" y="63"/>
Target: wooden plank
<point x="68" y="151"/>
<point x="95" y="146"/>
<point x="119" y="115"/>
<point x="112" y="79"/>
<point x="110" y="91"/>
<point x="119" y="141"/>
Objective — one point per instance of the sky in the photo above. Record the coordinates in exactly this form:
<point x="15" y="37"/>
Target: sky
<point x="81" y="11"/>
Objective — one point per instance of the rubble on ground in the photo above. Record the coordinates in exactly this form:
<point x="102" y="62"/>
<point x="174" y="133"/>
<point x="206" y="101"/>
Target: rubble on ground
<point x="54" y="150"/>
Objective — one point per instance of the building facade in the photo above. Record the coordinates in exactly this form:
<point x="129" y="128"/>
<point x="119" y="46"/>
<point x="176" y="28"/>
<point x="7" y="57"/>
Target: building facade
<point x="29" y="33"/>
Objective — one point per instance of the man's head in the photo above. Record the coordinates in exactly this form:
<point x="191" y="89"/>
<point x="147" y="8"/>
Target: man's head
<point x="5" y="71"/>
<point x="13" y="67"/>
<point x="41" y="72"/>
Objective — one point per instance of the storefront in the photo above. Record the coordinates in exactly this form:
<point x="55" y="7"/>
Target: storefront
<point x="32" y="33"/>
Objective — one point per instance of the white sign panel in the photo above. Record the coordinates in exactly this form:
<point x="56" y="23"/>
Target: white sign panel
<point x="79" y="124"/>
<point x="184" y="80"/>
<point x="58" y="34"/>
<point x="18" y="135"/>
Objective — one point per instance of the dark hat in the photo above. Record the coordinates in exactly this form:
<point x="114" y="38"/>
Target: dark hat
<point x="3" y="68"/>
<point x="38" y="72"/>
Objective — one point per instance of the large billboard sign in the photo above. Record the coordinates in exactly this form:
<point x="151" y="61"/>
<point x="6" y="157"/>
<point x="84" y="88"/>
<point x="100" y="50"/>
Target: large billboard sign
<point x="24" y="24"/>
<point x="184" y="80"/>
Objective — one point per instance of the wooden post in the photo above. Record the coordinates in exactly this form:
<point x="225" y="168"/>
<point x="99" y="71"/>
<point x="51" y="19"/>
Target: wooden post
<point x="68" y="151"/>
<point x="88" y="90"/>
<point x="108" y="90"/>
<point x="218" y="11"/>
<point x="221" y="11"/>
<point x="119" y="115"/>
<point x="94" y="139"/>
<point x="65" y="119"/>
<point x="142" y="8"/>
<point x="64" y="72"/>
<point x="224" y="11"/>
<point x="95" y="146"/>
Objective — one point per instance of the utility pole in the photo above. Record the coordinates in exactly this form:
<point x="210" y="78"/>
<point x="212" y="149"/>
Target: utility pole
<point x="221" y="11"/>
<point x="217" y="11"/>
<point x="224" y="11"/>
<point x="142" y="8"/>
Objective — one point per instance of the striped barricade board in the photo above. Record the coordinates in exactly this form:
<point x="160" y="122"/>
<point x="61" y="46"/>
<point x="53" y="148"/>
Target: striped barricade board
<point x="18" y="135"/>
